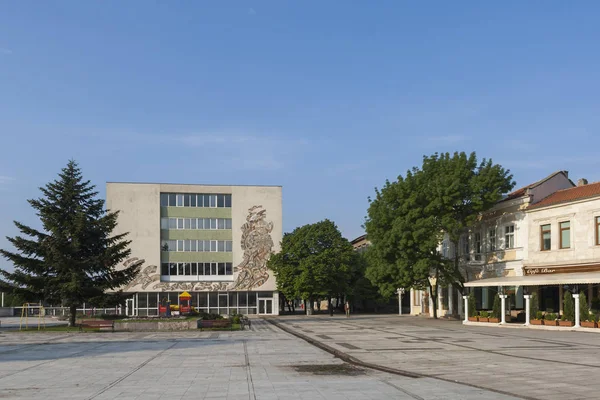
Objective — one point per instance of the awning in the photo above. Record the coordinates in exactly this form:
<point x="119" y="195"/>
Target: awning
<point x="538" y="280"/>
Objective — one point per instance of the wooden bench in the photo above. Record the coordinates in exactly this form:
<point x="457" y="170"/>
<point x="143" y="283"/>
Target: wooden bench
<point x="97" y="324"/>
<point x="245" y="321"/>
<point x="215" y="323"/>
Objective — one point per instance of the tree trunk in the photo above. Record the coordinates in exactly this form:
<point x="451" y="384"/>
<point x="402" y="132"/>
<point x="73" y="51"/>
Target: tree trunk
<point x="312" y="305"/>
<point x="433" y="291"/>
<point x="319" y="305"/>
<point x="72" y="315"/>
<point x="330" y="306"/>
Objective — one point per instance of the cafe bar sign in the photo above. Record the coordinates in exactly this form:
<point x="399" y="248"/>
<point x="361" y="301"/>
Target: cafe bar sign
<point x="551" y="270"/>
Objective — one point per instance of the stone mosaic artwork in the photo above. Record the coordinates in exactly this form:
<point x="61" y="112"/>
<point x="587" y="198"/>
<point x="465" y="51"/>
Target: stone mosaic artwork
<point x="251" y="273"/>
<point x="257" y="244"/>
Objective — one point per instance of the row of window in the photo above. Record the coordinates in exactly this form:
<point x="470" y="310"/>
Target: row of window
<point x="493" y="245"/>
<point x="196" y="269"/>
<point x="197" y="245"/>
<point x="195" y="223"/>
<point x="195" y="200"/>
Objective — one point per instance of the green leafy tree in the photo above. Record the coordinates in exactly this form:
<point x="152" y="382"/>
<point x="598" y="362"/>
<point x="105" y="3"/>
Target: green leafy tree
<point x="496" y="307"/>
<point x="568" y="307"/>
<point x="404" y="238"/>
<point x="459" y="189"/>
<point x="315" y="261"/>
<point x="584" y="308"/>
<point x="361" y="289"/>
<point x="74" y="257"/>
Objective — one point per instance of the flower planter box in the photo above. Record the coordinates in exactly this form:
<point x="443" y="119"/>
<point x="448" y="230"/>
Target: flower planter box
<point x="550" y="323"/>
<point x="536" y="322"/>
<point x="473" y="319"/>
<point x="588" y="324"/>
<point x="565" y="323"/>
<point x="494" y="320"/>
<point x="483" y="319"/>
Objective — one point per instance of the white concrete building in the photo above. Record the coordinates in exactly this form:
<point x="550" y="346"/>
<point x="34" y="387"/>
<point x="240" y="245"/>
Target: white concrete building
<point x="561" y="249"/>
<point x="211" y="241"/>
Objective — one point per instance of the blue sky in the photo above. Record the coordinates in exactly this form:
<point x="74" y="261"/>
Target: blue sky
<point x="327" y="99"/>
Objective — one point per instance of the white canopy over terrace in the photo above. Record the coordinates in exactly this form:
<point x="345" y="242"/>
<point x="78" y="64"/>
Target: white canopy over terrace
<point x="579" y="278"/>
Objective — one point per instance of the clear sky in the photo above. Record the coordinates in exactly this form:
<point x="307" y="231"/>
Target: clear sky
<point x="326" y="98"/>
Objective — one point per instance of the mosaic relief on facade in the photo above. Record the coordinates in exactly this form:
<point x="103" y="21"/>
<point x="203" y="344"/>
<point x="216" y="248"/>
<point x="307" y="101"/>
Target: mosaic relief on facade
<point x="257" y="244"/>
<point x="252" y="272"/>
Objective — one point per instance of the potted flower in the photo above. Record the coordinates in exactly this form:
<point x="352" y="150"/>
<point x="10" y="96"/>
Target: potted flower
<point x="483" y="316"/>
<point x="550" y="319"/>
<point x="538" y="319"/>
<point x="495" y="315"/>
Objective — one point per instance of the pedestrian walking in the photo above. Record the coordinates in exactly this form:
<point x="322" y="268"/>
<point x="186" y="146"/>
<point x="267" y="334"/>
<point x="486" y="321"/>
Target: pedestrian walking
<point x="347" y="308"/>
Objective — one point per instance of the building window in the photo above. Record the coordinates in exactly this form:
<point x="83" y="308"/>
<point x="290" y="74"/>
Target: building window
<point x="466" y="249"/>
<point x="509" y="237"/>
<point x="565" y="235"/>
<point x="478" y="246"/>
<point x="195" y="223"/>
<point x="445" y="248"/>
<point x="195" y="200"/>
<point x="546" y="237"/>
<point x="597" y="231"/>
<point x="492" y="236"/>
<point x="194" y="269"/>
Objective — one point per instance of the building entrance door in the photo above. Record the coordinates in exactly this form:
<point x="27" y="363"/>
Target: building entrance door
<point x="265" y="306"/>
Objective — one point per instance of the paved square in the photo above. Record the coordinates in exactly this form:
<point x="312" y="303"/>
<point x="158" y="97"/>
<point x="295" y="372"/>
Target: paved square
<point x="258" y="364"/>
<point x="524" y="362"/>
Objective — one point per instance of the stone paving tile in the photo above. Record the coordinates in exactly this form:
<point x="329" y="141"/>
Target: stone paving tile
<point x="533" y="363"/>
<point x="178" y="365"/>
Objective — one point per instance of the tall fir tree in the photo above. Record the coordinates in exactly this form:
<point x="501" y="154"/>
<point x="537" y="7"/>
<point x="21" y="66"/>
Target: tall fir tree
<point x="74" y="258"/>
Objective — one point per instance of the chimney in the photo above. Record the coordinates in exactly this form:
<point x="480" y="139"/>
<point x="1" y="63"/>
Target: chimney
<point x="582" y="182"/>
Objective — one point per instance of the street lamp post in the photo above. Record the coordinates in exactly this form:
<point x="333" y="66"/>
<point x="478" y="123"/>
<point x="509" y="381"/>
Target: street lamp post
<point x="400" y="292"/>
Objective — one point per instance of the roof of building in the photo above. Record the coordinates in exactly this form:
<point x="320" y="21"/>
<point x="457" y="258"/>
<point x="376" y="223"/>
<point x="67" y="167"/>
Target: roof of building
<point x="186" y="184"/>
<point x="568" y="195"/>
<point x="358" y="239"/>
<point x="523" y="191"/>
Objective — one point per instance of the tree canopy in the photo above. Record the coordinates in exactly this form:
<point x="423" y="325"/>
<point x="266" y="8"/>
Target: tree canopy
<point x="409" y="217"/>
<point x="74" y="258"/>
<point x="315" y="261"/>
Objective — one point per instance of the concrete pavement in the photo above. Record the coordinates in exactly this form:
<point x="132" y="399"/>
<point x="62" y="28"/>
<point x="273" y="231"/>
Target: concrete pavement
<point x="526" y="363"/>
<point x="264" y="363"/>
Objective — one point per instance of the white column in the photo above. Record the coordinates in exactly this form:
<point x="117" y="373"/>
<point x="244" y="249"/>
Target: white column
<point x="460" y="308"/>
<point x="576" y="297"/>
<point x="412" y="299"/>
<point x="399" y="302"/>
<point x="2" y="299"/>
<point x="527" y="310"/>
<point x="503" y="307"/>
<point x="450" y="300"/>
<point x="466" y="298"/>
<point x="430" y="307"/>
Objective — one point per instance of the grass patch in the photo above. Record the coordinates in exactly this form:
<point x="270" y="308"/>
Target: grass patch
<point x="61" y="328"/>
<point x="234" y="327"/>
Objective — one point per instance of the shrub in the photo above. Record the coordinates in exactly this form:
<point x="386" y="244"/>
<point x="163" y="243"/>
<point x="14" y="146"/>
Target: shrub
<point x="496" y="307"/>
<point x="483" y="314"/>
<point x="539" y="315"/>
<point x="584" y="309"/>
<point x="568" y="307"/>
<point x="472" y="305"/>
<point x="550" y="317"/>
<point x="211" y="316"/>
<point x="111" y="317"/>
<point x="235" y="318"/>
<point x="534" y="304"/>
